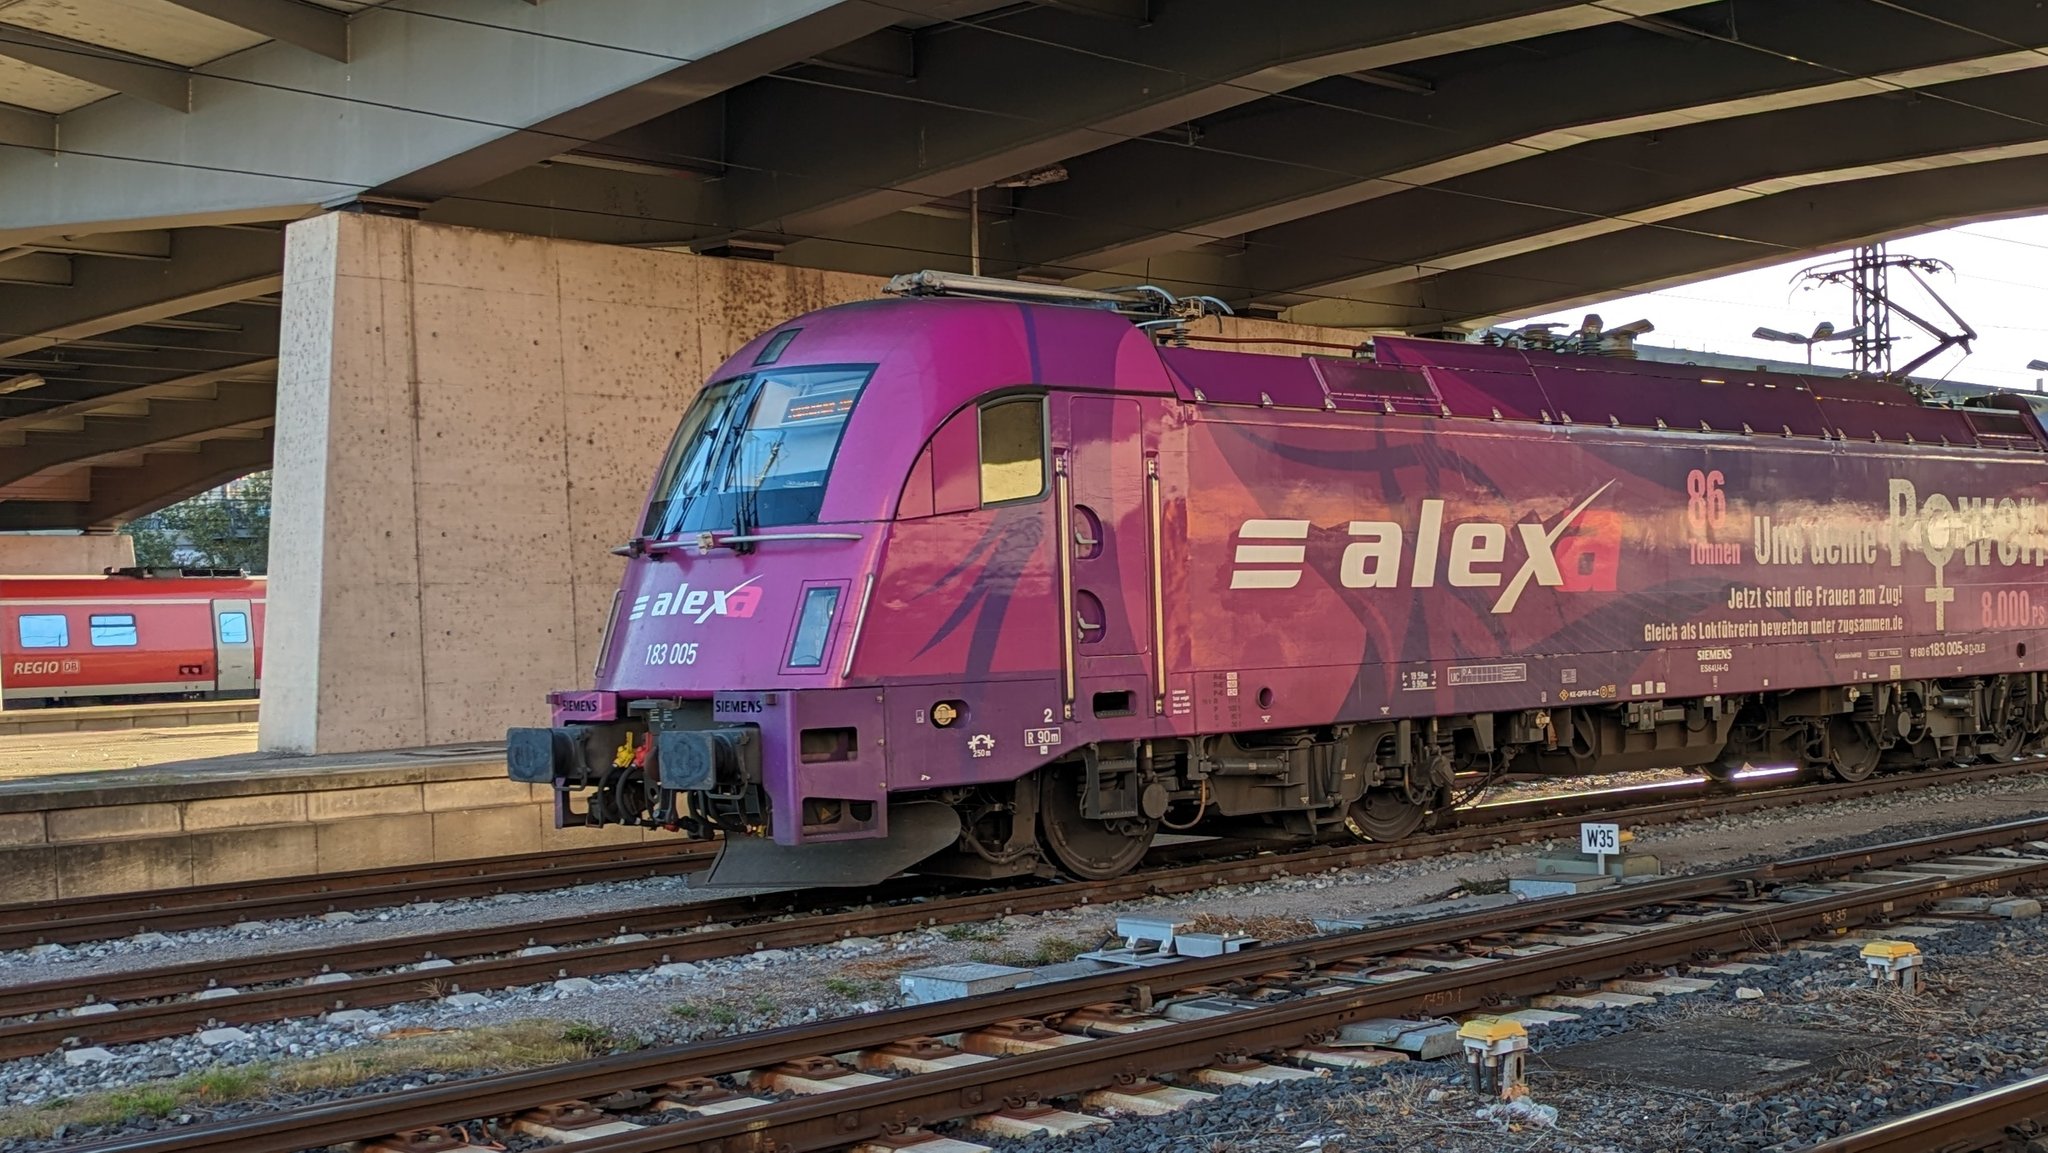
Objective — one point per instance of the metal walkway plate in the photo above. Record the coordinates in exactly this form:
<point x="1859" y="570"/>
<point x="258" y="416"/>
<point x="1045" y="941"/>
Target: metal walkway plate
<point x="1708" y="1055"/>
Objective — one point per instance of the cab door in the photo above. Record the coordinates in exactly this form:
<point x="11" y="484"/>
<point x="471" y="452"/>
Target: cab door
<point x="1108" y="548"/>
<point x="234" y="647"/>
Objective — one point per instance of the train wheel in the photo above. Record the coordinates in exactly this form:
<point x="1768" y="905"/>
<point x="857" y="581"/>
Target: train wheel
<point x="1853" y="751"/>
<point x="1384" y="815"/>
<point x="1089" y="849"/>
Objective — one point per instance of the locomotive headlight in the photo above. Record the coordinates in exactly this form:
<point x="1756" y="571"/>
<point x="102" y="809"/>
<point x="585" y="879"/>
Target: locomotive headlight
<point x="944" y="713"/>
<point x="813" y="628"/>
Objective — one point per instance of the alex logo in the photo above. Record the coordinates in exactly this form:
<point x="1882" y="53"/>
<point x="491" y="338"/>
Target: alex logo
<point x="1380" y="556"/>
<point x="700" y="604"/>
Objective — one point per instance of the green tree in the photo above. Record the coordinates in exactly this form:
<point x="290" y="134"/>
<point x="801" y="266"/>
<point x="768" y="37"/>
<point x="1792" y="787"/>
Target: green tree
<point x="226" y="528"/>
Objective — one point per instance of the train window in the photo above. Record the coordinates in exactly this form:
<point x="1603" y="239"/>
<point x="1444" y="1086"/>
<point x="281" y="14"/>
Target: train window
<point x="234" y="628"/>
<point x="45" y="631"/>
<point x="1012" y="450"/>
<point x="755" y="451"/>
<point x="113" y="631"/>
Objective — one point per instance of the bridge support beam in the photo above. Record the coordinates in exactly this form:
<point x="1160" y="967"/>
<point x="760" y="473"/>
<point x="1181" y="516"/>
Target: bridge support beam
<point x="64" y="554"/>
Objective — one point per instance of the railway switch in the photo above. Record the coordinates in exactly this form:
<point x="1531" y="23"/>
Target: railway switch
<point x="1496" y="1050"/>
<point x="1894" y="963"/>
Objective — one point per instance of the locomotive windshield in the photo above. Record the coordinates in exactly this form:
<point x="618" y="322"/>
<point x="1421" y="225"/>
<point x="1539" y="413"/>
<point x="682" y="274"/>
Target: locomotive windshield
<point x="754" y="451"/>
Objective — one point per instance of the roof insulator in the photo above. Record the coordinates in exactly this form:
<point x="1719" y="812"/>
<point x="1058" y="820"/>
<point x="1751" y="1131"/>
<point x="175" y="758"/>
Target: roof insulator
<point x="1788" y="429"/>
<point x="1705" y="427"/>
<point x="1545" y="417"/>
<point x="1567" y="416"/>
<point x="1199" y="398"/>
<point x="1329" y="405"/>
<point x="1265" y="401"/>
<point x="1387" y="404"/>
<point x="1445" y="407"/>
<point x="1661" y="426"/>
<point x="1875" y="438"/>
<point x="1613" y="421"/>
<point x="1496" y="414"/>
<point x="1910" y="440"/>
<point x="1746" y="430"/>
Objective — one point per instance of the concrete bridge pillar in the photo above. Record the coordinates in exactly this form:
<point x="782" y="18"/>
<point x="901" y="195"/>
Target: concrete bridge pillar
<point x="467" y="423"/>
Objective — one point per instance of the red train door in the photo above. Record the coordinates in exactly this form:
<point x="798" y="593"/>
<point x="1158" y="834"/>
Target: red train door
<point x="1108" y="549"/>
<point x="234" y="647"/>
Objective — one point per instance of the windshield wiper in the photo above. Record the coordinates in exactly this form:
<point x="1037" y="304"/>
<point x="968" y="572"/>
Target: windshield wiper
<point x="640" y="546"/>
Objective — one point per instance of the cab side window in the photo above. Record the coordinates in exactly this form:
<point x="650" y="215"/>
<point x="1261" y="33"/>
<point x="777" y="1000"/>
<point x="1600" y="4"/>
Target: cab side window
<point x="1012" y="450"/>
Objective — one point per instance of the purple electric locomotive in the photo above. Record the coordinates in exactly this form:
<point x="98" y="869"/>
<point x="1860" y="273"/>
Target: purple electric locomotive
<point x="993" y="578"/>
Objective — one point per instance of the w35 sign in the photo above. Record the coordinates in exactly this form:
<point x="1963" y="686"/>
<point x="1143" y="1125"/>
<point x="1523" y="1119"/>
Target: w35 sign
<point x="1599" y="840"/>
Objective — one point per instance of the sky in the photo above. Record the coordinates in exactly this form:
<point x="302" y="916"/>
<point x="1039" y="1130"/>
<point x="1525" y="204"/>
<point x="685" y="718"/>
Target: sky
<point x="1999" y="285"/>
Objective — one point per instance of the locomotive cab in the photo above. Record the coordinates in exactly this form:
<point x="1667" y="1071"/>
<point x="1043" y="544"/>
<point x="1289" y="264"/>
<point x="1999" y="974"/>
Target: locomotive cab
<point x="781" y="661"/>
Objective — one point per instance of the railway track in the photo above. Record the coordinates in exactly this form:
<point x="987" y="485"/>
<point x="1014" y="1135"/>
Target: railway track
<point x="1025" y="1056"/>
<point x="2010" y="1116"/>
<point x="206" y="906"/>
<point x="209" y="906"/>
<point x="144" y="1004"/>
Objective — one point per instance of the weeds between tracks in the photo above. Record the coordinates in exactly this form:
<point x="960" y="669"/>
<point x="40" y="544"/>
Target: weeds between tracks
<point x="530" y="1044"/>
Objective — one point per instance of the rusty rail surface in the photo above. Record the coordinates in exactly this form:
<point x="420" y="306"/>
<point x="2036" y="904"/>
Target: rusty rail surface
<point x="848" y="1116"/>
<point x="488" y="958"/>
<point x="1980" y="1121"/>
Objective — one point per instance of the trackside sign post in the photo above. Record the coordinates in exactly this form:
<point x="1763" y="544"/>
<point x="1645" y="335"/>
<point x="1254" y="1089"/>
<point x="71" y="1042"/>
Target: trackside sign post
<point x="1599" y="841"/>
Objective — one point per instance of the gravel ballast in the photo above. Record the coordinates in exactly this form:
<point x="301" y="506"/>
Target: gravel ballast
<point x="778" y="987"/>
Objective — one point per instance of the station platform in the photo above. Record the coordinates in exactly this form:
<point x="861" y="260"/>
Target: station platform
<point x="108" y="718"/>
<point x="68" y="751"/>
<point x="252" y="815"/>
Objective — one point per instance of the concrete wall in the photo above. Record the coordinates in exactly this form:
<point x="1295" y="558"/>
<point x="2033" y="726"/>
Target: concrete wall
<point x="35" y="554"/>
<point x="467" y="423"/>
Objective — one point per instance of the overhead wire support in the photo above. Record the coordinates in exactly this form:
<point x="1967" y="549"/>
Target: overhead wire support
<point x="1867" y="275"/>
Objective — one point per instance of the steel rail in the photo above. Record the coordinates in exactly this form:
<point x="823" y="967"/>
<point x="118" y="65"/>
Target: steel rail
<point x="202" y="906"/>
<point x="832" y="1120"/>
<point x="1980" y="1121"/>
<point x="492" y="952"/>
<point x="848" y="1116"/>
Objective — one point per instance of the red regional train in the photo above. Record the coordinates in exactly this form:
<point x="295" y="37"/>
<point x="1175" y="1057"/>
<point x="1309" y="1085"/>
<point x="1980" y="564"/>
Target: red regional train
<point x="996" y="578"/>
<point x="128" y="635"/>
